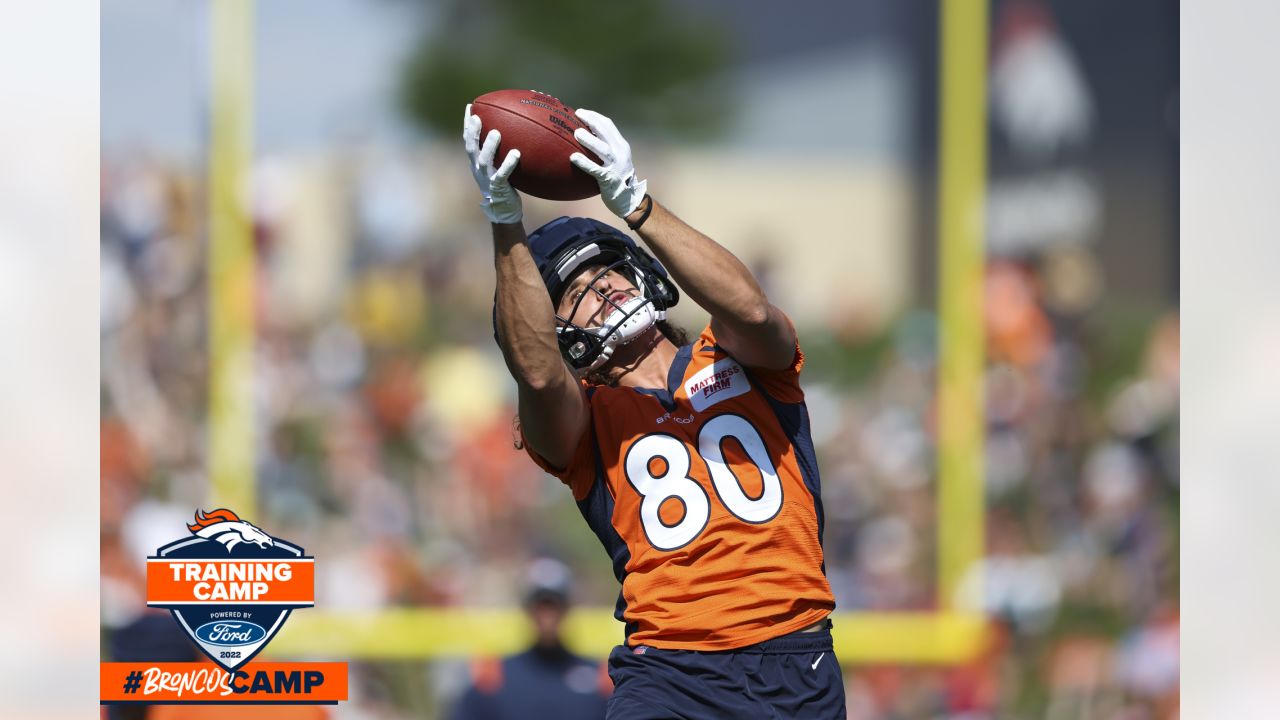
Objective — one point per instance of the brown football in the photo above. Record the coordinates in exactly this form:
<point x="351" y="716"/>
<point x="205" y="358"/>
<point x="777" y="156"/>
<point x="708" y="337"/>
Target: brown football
<point x="541" y="127"/>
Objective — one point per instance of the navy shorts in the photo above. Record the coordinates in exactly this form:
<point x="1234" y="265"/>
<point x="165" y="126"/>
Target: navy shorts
<point x="793" y="676"/>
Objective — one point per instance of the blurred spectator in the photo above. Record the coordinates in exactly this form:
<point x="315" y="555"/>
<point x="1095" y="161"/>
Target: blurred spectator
<point x="545" y="682"/>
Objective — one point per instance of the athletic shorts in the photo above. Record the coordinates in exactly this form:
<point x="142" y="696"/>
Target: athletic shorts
<point x="793" y="676"/>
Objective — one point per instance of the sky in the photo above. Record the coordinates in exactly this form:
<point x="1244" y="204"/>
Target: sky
<point x="325" y="71"/>
<point x="323" y="68"/>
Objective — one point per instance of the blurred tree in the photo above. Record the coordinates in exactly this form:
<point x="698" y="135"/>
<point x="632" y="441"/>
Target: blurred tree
<point x="645" y="63"/>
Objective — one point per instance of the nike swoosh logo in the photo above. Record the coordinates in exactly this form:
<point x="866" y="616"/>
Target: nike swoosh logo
<point x="814" y="666"/>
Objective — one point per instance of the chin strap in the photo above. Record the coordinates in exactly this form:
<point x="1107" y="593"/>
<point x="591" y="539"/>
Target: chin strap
<point x="631" y="320"/>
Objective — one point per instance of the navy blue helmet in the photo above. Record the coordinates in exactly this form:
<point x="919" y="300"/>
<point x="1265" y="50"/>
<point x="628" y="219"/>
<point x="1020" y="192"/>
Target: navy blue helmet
<point x="562" y="247"/>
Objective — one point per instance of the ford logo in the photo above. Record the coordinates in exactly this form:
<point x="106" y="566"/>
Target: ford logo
<point x="227" y="632"/>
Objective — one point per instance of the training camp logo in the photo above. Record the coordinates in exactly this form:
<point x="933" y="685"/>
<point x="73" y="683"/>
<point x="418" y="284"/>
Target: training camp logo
<point x="229" y="585"/>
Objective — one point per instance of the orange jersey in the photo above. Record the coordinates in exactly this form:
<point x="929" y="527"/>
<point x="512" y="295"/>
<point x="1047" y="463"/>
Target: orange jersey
<point x="706" y="496"/>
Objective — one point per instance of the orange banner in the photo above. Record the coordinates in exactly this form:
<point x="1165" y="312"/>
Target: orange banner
<point x="223" y="582"/>
<point x="202" y="682"/>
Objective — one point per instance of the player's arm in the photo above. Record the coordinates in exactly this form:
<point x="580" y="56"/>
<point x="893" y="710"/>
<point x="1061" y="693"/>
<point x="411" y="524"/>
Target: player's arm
<point x="744" y="321"/>
<point x="552" y="404"/>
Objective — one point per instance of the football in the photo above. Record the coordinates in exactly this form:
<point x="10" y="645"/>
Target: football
<point x="541" y="127"/>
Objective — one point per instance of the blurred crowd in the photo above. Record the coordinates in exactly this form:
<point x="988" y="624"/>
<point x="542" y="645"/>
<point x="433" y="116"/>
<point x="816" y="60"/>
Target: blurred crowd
<point x="383" y="416"/>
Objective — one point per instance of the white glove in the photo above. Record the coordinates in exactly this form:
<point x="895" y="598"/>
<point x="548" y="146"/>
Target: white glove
<point x="501" y="202"/>
<point x="619" y="188"/>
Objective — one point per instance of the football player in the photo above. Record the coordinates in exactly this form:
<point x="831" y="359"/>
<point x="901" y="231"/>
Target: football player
<point x="691" y="462"/>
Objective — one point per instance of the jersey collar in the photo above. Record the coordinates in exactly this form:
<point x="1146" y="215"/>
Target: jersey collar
<point x="675" y="374"/>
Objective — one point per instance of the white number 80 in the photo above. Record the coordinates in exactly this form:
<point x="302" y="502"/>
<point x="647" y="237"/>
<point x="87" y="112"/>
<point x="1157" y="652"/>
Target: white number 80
<point x="674" y="480"/>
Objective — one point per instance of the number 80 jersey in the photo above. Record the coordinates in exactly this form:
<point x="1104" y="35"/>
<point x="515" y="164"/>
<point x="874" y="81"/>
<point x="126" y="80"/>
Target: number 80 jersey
<point x="706" y="496"/>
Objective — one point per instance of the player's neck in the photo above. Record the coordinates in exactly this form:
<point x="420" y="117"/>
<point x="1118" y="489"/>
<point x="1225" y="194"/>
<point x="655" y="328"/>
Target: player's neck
<point x="646" y="363"/>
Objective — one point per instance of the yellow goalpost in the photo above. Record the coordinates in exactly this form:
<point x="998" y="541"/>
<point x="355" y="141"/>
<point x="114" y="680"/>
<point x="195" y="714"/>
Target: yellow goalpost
<point x="231" y="259"/>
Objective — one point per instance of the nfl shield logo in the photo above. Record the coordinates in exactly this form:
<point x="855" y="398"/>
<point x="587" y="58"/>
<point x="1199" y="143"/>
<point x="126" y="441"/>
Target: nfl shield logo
<point x="229" y="585"/>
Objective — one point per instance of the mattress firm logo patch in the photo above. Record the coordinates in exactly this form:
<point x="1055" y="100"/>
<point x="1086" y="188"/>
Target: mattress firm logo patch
<point x="722" y="380"/>
<point x="230" y="585"/>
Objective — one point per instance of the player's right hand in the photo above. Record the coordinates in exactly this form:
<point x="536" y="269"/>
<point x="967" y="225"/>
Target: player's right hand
<point x="501" y="202"/>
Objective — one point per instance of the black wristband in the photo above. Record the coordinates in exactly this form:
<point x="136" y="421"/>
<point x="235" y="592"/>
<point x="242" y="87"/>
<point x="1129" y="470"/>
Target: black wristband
<point x="644" y="215"/>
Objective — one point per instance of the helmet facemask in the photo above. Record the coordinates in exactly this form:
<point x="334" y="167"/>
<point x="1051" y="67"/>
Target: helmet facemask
<point x="588" y="348"/>
<point x="560" y="250"/>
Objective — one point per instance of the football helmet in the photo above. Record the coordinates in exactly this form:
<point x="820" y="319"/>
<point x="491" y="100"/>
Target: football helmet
<point x="561" y="248"/>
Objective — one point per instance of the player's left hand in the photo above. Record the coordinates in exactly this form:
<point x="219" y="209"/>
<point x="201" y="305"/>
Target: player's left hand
<point x="619" y="188"/>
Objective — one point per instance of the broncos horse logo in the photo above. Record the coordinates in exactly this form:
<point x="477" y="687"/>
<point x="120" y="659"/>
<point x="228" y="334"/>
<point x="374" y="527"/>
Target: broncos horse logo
<point x="227" y="528"/>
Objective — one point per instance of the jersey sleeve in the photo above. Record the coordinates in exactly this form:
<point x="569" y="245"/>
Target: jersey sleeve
<point x="782" y="384"/>
<point x="581" y="471"/>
